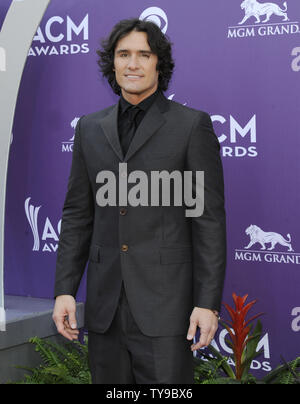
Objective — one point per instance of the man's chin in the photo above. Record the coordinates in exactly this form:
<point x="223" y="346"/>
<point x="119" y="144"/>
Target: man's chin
<point x="133" y="90"/>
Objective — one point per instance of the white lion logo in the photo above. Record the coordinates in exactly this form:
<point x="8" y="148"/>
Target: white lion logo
<point x="255" y="9"/>
<point x="73" y="124"/>
<point x="257" y="235"/>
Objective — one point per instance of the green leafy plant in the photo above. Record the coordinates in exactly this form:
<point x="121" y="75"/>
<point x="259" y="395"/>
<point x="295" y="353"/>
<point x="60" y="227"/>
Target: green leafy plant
<point x="61" y="364"/>
<point x="215" y="369"/>
<point x="212" y="370"/>
<point x="288" y="373"/>
<point x="68" y="363"/>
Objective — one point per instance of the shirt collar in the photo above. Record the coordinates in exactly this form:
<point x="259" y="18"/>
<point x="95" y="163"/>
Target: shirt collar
<point x="143" y="105"/>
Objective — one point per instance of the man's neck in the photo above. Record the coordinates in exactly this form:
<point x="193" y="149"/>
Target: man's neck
<point x="135" y="99"/>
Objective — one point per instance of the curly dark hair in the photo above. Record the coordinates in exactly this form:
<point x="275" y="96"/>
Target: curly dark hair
<point x="159" y="44"/>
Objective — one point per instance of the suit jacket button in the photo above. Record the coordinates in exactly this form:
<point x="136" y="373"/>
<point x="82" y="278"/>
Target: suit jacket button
<point x="123" y="211"/>
<point x="124" y="247"/>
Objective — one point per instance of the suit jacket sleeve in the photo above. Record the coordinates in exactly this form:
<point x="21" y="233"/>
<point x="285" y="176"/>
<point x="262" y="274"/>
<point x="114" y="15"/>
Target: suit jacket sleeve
<point x="76" y="226"/>
<point x="209" y="229"/>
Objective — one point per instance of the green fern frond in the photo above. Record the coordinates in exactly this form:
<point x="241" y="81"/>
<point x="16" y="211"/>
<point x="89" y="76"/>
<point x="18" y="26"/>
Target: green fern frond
<point x="61" y="364"/>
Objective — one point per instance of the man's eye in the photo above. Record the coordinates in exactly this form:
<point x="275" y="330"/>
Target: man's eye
<point x="123" y="55"/>
<point x="146" y="55"/>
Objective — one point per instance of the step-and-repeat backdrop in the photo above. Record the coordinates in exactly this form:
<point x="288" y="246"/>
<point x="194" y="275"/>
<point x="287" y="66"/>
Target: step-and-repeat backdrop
<point x="240" y="62"/>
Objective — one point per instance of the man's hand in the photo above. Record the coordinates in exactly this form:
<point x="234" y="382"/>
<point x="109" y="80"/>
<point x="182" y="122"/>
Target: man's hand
<point x="64" y="316"/>
<point x="207" y="321"/>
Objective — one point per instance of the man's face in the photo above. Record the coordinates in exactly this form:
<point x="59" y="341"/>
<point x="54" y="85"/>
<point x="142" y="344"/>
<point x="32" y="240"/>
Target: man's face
<point x="135" y="67"/>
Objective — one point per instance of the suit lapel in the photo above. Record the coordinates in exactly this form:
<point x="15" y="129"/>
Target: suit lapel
<point x="110" y="128"/>
<point x="152" y="121"/>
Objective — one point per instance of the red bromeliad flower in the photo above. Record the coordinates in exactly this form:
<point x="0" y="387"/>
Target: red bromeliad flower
<point x="241" y="329"/>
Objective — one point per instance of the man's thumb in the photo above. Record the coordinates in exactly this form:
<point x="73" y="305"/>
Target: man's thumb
<point x="72" y="320"/>
<point x="191" y="331"/>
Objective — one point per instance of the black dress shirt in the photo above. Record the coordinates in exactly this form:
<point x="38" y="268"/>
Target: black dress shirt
<point x="124" y="119"/>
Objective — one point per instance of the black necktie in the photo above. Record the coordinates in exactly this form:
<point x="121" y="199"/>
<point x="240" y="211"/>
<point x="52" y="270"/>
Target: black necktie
<point x="129" y="128"/>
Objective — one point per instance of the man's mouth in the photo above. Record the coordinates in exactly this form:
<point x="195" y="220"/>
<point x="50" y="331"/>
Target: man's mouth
<point x="133" y="76"/>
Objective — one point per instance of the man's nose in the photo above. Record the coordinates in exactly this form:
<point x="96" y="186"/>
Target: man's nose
<point x="133" y="62"/>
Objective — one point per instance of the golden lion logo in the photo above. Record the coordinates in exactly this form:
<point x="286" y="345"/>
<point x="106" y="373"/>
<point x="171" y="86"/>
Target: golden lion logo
<point x="255" y="9"/>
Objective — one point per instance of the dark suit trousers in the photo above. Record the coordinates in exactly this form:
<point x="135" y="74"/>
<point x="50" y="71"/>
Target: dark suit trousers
<point x="123" y="355"/>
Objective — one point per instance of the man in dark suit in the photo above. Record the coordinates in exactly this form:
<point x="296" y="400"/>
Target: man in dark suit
<point x="155" y="272"/>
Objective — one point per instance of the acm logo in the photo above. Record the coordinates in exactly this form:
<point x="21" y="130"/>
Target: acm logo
<point x="62" y="25"/>
<point x="61" y="36"/>
<point x="237" y="132"/>
<point x="48" y="241"/>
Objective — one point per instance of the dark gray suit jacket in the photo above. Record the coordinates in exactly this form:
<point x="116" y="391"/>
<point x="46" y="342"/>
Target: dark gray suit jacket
<point x="169" y="262"/>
